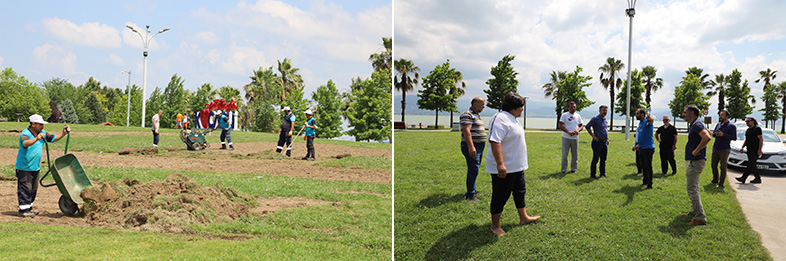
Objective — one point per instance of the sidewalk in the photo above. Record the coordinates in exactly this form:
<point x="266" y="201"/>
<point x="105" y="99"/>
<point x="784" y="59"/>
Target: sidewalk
<point x="765" y="207"/>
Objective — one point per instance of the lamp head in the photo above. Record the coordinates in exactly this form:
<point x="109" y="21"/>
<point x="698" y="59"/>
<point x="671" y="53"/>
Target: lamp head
<point x="630" y="12"/>
<point x="165" y="29"/>
<point x="132" y="29"/>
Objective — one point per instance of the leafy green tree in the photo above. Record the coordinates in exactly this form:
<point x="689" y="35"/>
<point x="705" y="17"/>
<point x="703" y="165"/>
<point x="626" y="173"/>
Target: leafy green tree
<point x="551" y="90"/>
<point x="154" y="103"/>
<point x="771" y="108"/>
<point x="173" y="102"/>
<point x="767" y="76"/>
<point x="699" y="73"/>
<point x="739" y="96"/>
<point x="437" y="86"/>
<point x="383" y="60"/>
<point x="121" y="104"/>
<point x="782" y="94"/>
<point x="370" y="112"/>
<point x="327" y="110"/>
<point x="636" y="91"/>
<point x="457" y="90"/>
<point x="689" y="92"/>
<point x="97" y="112"/>
<point x="18" y="95"/>
<point x="611" y="82"/>
<point x="205" y="94"/>
<point x="571" y="90"/>
<point x="69" y="115"/>
<point x="262" y="96"/>
<point x="298" y="104"/>
<point x="651" y="84"/>
<point x="406" y="83"/>
<point x="87" y="114"/>
<point x="229" y="93"/>
<point x="504" y="82"/>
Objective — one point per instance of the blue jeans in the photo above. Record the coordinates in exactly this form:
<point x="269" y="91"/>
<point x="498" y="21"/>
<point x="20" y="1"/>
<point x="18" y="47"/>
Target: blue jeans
<point x="473" y="164"/>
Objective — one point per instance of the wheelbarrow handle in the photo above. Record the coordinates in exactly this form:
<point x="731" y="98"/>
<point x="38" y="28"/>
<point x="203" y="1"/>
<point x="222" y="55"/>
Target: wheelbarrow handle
<point x="49" y="163"/>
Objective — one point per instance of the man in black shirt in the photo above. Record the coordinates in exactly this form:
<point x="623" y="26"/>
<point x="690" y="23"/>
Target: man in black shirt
<point x="667" y="137"/>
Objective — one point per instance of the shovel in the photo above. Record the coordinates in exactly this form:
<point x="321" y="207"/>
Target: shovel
<point x="290" y="144"/>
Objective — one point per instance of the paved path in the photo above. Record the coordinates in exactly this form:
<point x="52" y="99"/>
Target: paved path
<point x="765" y="207"/>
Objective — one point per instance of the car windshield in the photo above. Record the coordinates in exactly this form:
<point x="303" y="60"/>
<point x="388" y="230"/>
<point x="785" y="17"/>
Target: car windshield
<point x="768" y="135"/>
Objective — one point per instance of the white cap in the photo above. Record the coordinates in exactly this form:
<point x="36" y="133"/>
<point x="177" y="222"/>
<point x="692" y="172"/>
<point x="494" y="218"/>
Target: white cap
<point x="37" y="119"/>
<point x="308" y="112"/>
<point x="287" y="108"/>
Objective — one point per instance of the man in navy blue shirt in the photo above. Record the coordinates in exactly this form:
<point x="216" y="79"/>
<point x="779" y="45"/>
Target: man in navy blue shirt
<point x="598" y="129"/>
<point x="645" y="144"/>
<point x="695" y="159"/>
<point x="724" y="133"/>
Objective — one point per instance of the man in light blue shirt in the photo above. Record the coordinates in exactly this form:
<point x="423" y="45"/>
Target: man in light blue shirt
<point x="311" y="133"/>
<point x="645" y="144"/>
<point x="28" y="162"/>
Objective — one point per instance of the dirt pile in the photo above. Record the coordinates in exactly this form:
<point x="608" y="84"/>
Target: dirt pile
<point x="169" y="205"/>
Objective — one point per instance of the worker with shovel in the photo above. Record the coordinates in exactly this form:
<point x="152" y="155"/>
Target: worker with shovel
<point x="311" y="127"/>
<point x="285" y="134"/>
<point x="226" y="131"/>
<point x="28" y="162"/>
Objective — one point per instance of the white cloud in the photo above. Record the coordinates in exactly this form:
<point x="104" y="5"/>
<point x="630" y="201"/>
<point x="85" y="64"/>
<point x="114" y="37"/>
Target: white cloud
<point x="54" y="57"/>
<point x="207" y="38"/>
<point x="87" y="34"/>
<point x="238" y="59"/>
<point x="113" y="59"/>
<point x="1" y="62"/>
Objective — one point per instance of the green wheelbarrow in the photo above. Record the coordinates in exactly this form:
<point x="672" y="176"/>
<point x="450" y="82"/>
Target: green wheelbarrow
<point x="70" y="179"/>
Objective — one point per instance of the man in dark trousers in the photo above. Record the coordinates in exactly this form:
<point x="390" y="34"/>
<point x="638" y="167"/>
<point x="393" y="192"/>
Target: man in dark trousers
<point x="724" y="133"/>
<point x="311" y="133"/>
<point x="598" y="129"/>
<point x="28" y="162"/>
<point x="285" y="134"/>
<point x="667" y="140"/>
<point x="226" y="131"/>
<point x="645" y="144"/>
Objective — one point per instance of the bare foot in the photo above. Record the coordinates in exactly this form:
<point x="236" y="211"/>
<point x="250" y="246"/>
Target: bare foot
<point x="497" y="231"/>
<point x="528" y="220"/>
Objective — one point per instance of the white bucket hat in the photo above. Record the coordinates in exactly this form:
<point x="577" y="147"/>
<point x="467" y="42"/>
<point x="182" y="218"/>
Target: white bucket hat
<point x="37" y="119"/>
<point x="308" y="112"/>
<point x="287" y="108"/>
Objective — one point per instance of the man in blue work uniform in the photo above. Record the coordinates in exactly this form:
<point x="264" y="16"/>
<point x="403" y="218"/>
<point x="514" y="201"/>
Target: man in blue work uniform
<point x="285" y="134"/>
<point x="28" y="162"/>
<point x="311" y="133"/>
<point x="226" y="131"/>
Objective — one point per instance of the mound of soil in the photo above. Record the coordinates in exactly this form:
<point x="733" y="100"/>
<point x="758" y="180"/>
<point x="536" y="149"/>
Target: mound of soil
<point x="168" y="205"/>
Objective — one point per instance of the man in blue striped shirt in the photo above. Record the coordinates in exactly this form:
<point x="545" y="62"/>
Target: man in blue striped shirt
<point x="473" y="141"/>
<point x="598" y="129"/>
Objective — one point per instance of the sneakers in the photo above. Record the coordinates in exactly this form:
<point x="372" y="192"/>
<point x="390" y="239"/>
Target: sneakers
<point x="304" y="158"/>
<point x="471" y="197"/>
<point x="27" y="214"/>
<point x="756" y="181"/>
<point x="311" y="159"/>
<point x="697" y="222"/>
<point x="741" y="179"/>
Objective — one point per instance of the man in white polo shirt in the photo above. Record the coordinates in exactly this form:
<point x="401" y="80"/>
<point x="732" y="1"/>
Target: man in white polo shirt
<point x="571" y="125"/>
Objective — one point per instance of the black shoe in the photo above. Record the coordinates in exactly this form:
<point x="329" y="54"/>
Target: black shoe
<point x="756" y="181"/>
<point x="593" y="177"/>
<point x="223" y="147"/>
<point x="231" y="148"/>
<point x="714" y="181"/>
<point x="648" y="187"/>
<point x="304" y="158"/>
<point x="603" y="175"/>
<point x="740" y="179"/>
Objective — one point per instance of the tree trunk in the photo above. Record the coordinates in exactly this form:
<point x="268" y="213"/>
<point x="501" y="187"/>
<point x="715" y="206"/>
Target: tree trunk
<point x="611" y="109"/>
<point x="436" y="121"/>
<point x="450" y="125"/>
<point x="783" y="117"/>
<point x="403" y="105"/>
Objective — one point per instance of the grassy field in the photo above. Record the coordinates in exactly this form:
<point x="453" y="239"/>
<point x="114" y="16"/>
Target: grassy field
<point x="607" y="219"/>
<point x="356" y="225"/>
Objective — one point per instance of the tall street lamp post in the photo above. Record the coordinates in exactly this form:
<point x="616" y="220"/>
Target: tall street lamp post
<point x="128" y="107"/>
<point x="631" y="11"/>
<point x="145" y="42"/>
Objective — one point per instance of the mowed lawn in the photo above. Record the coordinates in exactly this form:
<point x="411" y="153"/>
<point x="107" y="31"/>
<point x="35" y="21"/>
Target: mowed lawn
<point x="355" y="224"/>
<point x="582" y="219"/>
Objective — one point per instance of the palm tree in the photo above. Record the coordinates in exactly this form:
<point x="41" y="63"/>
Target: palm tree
<point x="551" y="89"/>
<point x="717" y="87"/>
<point x="782" y="94"/>
<point x="699" y="73"/>
<point x="407" y="83"/>
<point x="289" y="79"/>
<point x="456" y="91"/>
<point x="767" y="76"/>
<point x="651" y="84"/>
<point x="383" y="60"/>
<point x="611" y="82"/>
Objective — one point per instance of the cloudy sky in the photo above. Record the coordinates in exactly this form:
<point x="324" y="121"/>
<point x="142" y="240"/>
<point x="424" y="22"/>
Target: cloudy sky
<point x="217" y="42"/>
<point x="545" y="36"/>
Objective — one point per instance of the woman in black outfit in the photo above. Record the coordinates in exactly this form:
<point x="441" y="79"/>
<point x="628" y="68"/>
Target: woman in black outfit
<point x="754" y="142"/>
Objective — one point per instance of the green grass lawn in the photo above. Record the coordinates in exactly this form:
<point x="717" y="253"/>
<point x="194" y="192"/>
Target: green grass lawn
<point x="606" y="219"/>
<point x="355" y="225"/>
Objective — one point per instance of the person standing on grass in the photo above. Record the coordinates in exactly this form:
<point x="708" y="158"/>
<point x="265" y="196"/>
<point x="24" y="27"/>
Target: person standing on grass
<point x="571" y="125"/>
<point x="473" y="141"/>
<point x="695" y="159"/>
<point x="285" y="134"/>
<point x="507" y="161"/>
<point x="179" y="120"/>
<point x="645" y="145"/>
<point x="667" y="140"/>
<point x="226" y="131"/>
<point x="754" y="142"/>
<point x="311" y="133"/>
<point x="28" y="162"/>
<point x="724" y="133"/>
<point x="156" y="123"/>
<point x="600" y="141"/>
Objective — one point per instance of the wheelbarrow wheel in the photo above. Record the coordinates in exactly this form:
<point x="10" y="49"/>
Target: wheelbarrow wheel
<point x="68" y="206"/>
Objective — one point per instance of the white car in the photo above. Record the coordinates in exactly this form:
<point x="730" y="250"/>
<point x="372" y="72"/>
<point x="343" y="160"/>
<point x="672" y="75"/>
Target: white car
<point x="773" y="152"/>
